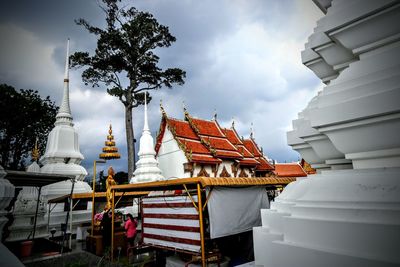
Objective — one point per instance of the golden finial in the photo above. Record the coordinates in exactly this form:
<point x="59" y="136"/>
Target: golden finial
<point x="110" y="150"/>
<point x="110" y="130"/>
<point x="35" y="151"/>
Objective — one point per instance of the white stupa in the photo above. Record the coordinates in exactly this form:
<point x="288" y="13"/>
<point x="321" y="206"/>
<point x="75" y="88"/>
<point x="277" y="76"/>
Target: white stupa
<point x="62" y="156"/>
<point x="147" y="165"/>
<point x="348" y="214"/>
<point x="25" y="208"/>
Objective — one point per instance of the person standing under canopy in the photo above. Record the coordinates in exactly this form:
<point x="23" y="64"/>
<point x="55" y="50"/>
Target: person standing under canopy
<point x="130" y="227"/>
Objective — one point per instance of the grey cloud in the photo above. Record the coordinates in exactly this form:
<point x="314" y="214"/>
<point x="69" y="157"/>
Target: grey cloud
<point x="209" y="47"/>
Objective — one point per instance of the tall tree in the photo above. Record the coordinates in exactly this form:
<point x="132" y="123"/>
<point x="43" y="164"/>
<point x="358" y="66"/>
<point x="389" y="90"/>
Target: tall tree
<point x="126" y="48"/>
<point x="24" y="116"/>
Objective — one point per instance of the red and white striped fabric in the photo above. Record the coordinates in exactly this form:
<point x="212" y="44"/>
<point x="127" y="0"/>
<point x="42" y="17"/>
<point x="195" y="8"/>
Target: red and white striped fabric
<point x="171" y="221"/>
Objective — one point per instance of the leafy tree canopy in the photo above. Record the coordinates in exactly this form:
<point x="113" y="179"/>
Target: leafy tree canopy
<point x="125" y="59"/>
<point x="24" y="116"/>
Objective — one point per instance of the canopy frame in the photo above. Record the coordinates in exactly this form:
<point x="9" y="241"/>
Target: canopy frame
<point x="197" y="183"/>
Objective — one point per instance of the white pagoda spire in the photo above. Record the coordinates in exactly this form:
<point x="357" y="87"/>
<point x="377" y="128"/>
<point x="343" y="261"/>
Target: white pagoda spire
<point x="63" y="156"/>
<point x="147" y="165"/>
<point x="64" y="113"/>
<point x="62" y="149"/>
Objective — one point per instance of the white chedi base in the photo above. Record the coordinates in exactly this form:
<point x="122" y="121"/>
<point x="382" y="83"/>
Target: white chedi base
<point x="6" y="195"/>
<point x="24" y="216"/>
<point x="147" y="170"/>
<point x="57" y="213"/>
<point x="341" y="218"/>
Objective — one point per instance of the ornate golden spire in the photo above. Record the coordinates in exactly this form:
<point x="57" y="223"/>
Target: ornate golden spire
<point x="35" y="152"/>
<point x="110" y="150"/>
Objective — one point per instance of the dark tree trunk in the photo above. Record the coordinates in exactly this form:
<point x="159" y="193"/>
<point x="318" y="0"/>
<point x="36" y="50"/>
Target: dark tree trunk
<point x="130" y="137"/>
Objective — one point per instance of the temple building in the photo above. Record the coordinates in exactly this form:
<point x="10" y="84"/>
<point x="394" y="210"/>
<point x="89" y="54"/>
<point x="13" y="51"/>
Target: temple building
<point x="63" y="156"/>
<point x="196" y="147"/>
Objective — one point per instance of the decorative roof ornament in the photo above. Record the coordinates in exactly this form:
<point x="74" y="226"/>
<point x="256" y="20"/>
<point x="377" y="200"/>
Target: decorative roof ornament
<point x="35" y="154"/>
<point x="34" y="166"/>
<point x="215" y="114"/>
<point x="164" y="114"/>
<point x="185" y="112"/>
<point x="147" y="165"/>
<point x="233" y="123"/>
<point x="64" y="113"/>
<point x="110" y="150"/>
<point x="251" y="131"/>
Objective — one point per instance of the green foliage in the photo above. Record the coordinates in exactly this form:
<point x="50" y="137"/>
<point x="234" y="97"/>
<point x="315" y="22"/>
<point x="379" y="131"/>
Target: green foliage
<point x="126" y="48"/>
<point x="24" y="116"/>
<point x="121" y="178"/>
<point x="125" y="60"/>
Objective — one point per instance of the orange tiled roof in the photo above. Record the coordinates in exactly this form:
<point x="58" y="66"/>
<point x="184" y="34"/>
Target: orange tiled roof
<point x="307" y="167"/>
<point x="264" y="165"/>
<point x="249" y="162"/>
<point x="189" y="141"/>
<point x="205" y="159"/>
<point x="182" y="129"/>
<point x="206" y="142"/>
<point x="248" y="158"/>
<point x="289" y="170"/>
<point x="194" y="146"/>
<point x="209" y="128"/>
<point x="232" y="136"/>
<point x="252" y="147"/>
<point x="211" y="133"/>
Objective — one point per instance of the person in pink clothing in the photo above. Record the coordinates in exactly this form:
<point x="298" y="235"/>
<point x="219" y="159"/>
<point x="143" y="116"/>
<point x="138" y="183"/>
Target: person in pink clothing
<point x="130" y="228"/>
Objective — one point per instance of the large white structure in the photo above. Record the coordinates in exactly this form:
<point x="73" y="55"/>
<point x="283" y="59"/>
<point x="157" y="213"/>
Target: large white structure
<point x="349" y="213"/>
<point x="24" y="212"/>
<point x="62" y="156"/>
<point x="6" y="195"/>
<point x="147" y="165"/>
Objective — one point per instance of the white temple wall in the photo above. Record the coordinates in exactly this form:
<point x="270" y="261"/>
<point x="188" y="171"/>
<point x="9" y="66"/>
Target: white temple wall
<point x="171" y="158"/>
<point x="228" y="166"/>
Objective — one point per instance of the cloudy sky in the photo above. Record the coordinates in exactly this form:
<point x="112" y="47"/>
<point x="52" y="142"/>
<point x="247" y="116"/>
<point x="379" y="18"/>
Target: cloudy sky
<point x="242" y="59"/>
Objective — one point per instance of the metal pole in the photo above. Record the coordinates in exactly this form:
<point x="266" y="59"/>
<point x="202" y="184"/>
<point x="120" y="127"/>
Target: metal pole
<point x="93" y="193"/>
<point x="200" y="205"/>
<point x="48" y="218"/>
<point x="70" y="223"/>
<point x="66" y="220"/>
<point x="112" y="225"/>
<point x="36" y="212"/>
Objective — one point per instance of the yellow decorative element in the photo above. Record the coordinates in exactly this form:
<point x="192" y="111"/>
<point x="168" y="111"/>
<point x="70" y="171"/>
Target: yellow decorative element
<point x="109" y="182"/>
<point x="110" y="150"/>
<point x="35" y="151"/>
